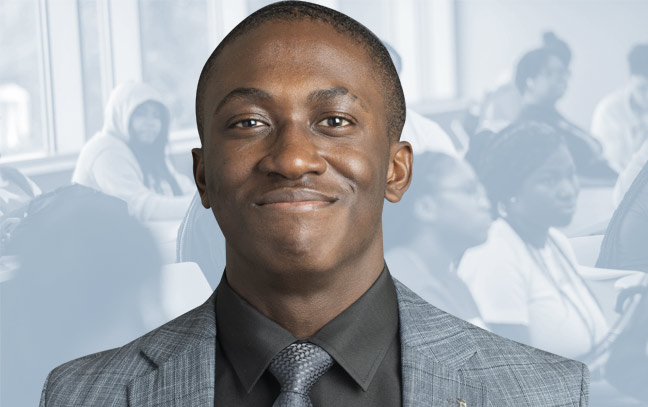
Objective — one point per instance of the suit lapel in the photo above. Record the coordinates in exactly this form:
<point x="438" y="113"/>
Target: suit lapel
<point x="184" y="356"/>
<point x="434" y="347"/>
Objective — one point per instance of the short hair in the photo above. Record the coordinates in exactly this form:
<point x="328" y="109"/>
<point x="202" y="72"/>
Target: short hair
<point x="503" y="161"/>
<point x="395" y="56"/>
<point x="298" y="10"/>
<point x="638" y="60"/>
<point x="533" y="62"/>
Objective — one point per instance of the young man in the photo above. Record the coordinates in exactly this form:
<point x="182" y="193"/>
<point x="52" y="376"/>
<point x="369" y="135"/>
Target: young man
<point x="620" y="120"/>
<point x="299" y="111"/>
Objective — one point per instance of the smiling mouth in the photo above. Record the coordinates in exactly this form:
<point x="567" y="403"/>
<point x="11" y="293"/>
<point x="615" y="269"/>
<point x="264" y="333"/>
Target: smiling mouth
<point x="302" y="199"/>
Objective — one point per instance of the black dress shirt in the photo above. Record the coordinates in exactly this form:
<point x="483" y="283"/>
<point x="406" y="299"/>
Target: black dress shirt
<point x="363" y="341"/>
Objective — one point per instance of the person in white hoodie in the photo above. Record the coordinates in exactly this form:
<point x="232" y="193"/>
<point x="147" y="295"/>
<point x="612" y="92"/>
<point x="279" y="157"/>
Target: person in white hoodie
<point x="127" y="158"/>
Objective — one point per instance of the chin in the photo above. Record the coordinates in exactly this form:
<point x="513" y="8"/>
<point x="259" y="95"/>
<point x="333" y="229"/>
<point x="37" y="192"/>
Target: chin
<point x="562" y="220"/>
<point x="303" y="251"/>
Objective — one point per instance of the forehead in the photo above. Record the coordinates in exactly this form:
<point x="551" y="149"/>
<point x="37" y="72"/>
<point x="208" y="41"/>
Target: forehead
<point x="554" y="63"/>
<point x="559" y="160"/>
<point x="304" y="51"/>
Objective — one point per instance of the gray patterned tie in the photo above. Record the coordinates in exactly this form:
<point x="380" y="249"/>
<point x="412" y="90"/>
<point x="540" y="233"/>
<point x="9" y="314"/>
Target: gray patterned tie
<point x="297" y="367"/>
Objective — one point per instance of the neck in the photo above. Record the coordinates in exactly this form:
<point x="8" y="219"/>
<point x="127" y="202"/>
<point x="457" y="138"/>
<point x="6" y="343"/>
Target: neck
<point x="304" y="300"/>
<point x="534" y="100"/>
<point x="532" y="233"/>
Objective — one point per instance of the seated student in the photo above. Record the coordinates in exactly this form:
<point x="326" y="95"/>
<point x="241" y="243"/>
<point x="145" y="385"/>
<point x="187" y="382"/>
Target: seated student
<point x="620" y="120"/>
<point x="445" y="212"/>
<point x="524" y="278"/>
<point x="541" y="77"/>
<point x="502" y="105"/>
<point x="15" y="190"/>
<point x="625" y="245"/>
<point x="127" y="158"/>
<point x="86" y="279"/>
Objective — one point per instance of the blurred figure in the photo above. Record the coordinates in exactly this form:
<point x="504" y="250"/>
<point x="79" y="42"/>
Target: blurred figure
<point x="444" y="212"/>
<point x="625" y="245"/>
<point x="15" y="190"/>
<point x="502" y="106"/>
<point x="627" y="365"/>
<point x="627" y="177"/>
<point x="524" y="278"/>
<point x="541" y="77"/>
<point x="422" y="133"/>
<point x="87" y="278"/>
<point x="127" y="158"/>
<point x="620" y="120"/>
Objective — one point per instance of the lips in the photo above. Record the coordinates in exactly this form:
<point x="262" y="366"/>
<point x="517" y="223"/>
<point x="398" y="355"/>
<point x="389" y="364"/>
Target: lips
<point x="294" y="197"/>
<point x="567" y="207"/>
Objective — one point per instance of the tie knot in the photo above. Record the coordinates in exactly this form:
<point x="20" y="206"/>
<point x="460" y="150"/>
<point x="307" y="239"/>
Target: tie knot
<point x="298" y="366"/>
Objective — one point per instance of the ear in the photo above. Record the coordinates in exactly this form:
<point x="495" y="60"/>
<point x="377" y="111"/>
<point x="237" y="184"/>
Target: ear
<point x="199" y="175"/>
<point x="399" y="174"/>
<point x="425" y="209"/>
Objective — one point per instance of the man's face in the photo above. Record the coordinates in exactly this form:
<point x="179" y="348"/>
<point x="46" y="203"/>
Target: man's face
<point x="296" y="159"/>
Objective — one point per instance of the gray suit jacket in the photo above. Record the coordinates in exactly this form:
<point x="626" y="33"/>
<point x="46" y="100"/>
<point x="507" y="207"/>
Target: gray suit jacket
<point x="445" y="362"/>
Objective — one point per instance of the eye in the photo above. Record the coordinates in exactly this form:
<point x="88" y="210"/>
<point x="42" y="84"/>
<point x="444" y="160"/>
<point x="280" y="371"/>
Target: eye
<point x="335" y="121"/>
<point x="248" y="123"/>
<point x="550" y="180"/>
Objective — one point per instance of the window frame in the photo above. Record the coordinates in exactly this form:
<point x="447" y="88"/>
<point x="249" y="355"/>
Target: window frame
<point x="63" y="104"/>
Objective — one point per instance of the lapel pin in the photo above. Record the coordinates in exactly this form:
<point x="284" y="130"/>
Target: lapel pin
<point x="459" y="402"/>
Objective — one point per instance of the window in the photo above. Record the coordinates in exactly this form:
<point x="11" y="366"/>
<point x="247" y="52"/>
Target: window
<point x="89" y="25"/>
<point x="61" y="59"/>
<point x="21" y="85"/>
<point x="174" y="38"/>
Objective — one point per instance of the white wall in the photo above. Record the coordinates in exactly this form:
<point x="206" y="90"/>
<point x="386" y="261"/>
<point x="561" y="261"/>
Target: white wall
<point x="493" y="34"/>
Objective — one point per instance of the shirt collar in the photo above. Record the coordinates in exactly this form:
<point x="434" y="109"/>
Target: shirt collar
<point x="357" y="339"/>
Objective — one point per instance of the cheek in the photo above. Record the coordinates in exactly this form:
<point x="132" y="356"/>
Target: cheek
<point x="363" y="172"/>
<point x="224" y="174"/>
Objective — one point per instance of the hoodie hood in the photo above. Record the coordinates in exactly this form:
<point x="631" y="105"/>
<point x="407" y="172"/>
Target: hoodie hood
<point x="123" y="100"/>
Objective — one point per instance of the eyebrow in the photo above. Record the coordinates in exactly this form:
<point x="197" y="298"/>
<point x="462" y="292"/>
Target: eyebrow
<point x="242" y="94"/>
<point x="320" y="95"/>
<point x="326" y="95"/>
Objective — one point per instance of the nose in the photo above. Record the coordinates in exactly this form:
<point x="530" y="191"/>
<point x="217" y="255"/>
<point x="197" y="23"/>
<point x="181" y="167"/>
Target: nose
<point x="482" y="198"/>
<point x="567" y="189"/>
<point x="292" y="154"/>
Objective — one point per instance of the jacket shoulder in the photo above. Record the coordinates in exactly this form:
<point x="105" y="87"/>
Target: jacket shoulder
<point x="102" y="378"/>
<point x="512" y="373"/>
<point x="96" y="379"/>
<point x="512" y="370"/>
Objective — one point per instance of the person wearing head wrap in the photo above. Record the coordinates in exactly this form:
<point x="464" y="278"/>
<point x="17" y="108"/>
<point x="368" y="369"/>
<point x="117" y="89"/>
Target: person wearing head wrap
<point x="524" y="279"/>
<point x="127" y="158"/>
